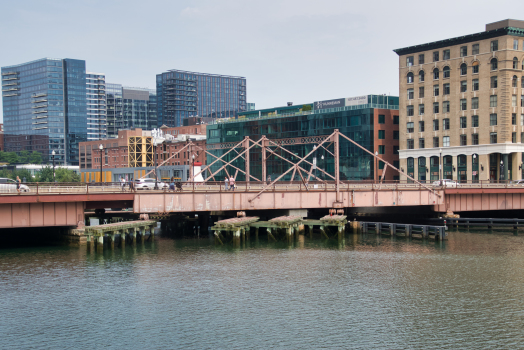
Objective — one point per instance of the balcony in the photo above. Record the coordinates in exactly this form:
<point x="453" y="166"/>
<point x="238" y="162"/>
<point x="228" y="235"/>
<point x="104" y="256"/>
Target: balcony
<point x="11" y="89"/>
<point x="40" y="111"/>
<point x="9" y="73"/>
<point x="11" y="94"/>
<point x="39" y="94"/>
<point x="10" y="77"/>
<point x="40" y="106"/>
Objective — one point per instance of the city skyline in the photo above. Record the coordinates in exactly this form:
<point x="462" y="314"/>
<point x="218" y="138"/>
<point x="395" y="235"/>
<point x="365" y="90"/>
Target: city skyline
<point x="289" y="51"/>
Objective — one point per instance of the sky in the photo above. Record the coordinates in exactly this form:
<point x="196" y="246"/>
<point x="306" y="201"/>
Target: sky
<point x="297" y="51"/>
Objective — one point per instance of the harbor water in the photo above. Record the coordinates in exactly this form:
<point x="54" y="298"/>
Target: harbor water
<point x="366" y="292"/>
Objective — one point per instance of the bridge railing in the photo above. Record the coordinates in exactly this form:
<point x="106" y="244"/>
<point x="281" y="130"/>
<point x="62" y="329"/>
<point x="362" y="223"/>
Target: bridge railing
<point x="241" y="186"/>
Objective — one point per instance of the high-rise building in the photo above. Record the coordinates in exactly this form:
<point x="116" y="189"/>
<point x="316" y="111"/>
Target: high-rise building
<point x="96" y="106"/>
<point x="130" y="107"/>
<point x="462" y="106"/>
<point x="44" y="107"/>
<point x="184" y="94"/>
<point x="251" y="106"/>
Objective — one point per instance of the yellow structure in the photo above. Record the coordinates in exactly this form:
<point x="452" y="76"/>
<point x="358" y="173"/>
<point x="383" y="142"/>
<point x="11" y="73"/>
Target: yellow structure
<point x="140" y="151"/>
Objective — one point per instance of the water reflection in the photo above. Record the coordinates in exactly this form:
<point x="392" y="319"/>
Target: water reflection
<point x="363" y="291"/>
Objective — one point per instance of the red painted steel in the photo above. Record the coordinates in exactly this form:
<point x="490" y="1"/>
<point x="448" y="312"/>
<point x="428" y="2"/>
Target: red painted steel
<point x="15" y="215"/>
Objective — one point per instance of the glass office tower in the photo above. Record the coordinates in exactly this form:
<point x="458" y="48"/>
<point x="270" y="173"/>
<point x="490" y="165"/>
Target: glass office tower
<point x="130" y="107"/>
<point x="44" y="107"/>
<point x="184" y="94"/>
<point x="96" y="106"/>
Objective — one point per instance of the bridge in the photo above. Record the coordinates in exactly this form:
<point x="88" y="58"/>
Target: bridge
<point x="65" y="204"/>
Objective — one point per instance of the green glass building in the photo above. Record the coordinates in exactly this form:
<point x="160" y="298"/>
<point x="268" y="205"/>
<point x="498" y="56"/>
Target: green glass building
<point x="370" y="120"/>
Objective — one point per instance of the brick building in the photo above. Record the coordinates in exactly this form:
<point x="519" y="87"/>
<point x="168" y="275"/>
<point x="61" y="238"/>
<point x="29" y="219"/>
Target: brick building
<point x="462" y="106"/>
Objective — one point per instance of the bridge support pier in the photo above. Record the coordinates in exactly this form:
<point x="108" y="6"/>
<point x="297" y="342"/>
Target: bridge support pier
<point x="112" y="238"/>
<point x="270" y="235"/>
<point x="100" y="243"/>
<point x="142" y="234"/>
<point x="123" y="239"/>
<point x="323" y="232"/>
<point x="133" y="237"/>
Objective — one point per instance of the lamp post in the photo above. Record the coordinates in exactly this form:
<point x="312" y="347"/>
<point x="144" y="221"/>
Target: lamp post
<point x="322" y="157"/>
<point x="53" y="156"/>
<point x="376" y="166"/>
<point x="193" y="171"/>
<point x="441" y="168"/>
<point x="315" y="161"/>
<point x="474" y="157"/>
<point x="101" y="148"/>
<point x="501" y="170"/>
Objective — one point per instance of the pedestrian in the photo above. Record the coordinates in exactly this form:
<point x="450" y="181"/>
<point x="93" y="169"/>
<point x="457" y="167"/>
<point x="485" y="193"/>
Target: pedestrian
<point x="172" y="184"/>
<point x="226" y="183"/>
<point x="269" y="178"/>
<point x="131" y="185"/>
<point x="123" y="182"/>
<point x="232" y="183"/>
<point x="18" y="184"/>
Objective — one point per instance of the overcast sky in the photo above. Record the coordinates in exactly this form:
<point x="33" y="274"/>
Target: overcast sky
<point x="289" y="50"/>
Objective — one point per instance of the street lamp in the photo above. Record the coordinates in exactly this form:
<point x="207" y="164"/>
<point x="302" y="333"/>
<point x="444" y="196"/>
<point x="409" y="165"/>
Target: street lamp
<point x="440" y="167"/>
<point x="193" y="171"/>
<point x="474" y="161"/>
<point x="315" y="161"/>
<point x="376" y="166"/>
<point x="53" y="156"/>
<point x="501" y="170"/>
<point x="101" y="148"/>
<point x="322" y="157"/>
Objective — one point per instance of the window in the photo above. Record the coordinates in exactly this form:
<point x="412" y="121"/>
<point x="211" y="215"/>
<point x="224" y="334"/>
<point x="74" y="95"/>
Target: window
<point x="463" y="122"/>
<point x="421" y="76"/>
<point x="410" y="111"/>
<point x="381" y="134"/>
<point x="513" y="118"/>
<point x="445" y="54"/>
<point x="463" y="69"/>
<point x="395" y="149"/>
<point x="463" y="86"/>
<point x="411" y="144"/>
<point x="410" y="60"/>
<point x="522" y="100"/>
<point x="421" y="58"/>
<point x="445" y="107"/>
<point x="381" y="119"/>
<point x="435" y="56"/>
<point x="435" y="124"/>
<point x="411" y="94"/>
<point x="493" y="137"/>
<point x="395" y="135"/>
<point x="381" y="149"/>
<point x="446" y="89"/>
<point x="410" y="127"/>
<point x="447" y="72"/>
<point x="445" y="124"/>
<point x="463" y="104"/>
<point x="463" y="51"/>
<point x="493" y="119"/>
<point x="474" y="103"/>
<point x="474" y="121"/>
<point x="421" y="126"/>
<point x="515" y="44"/>
<point x="494" y="64"/>
<point x="436" y="90"/>
<point x="435" y="142"/>
<point x="515" y="63"/>
<point x="421" y="92"/>
<point x="522" y="82"/>
<point x="463" y="140"/>
<point x="421" y="143"/>
<point x="475" y="49"/>
<point x="445" y="141"/>
<point x="410" y="78"/>
<point x="421" y="109"/>
<point x="514" y="81"/>
<point x="522" y="120"/>
<point x="435" y="74"/>
<point x="475" y="67"/>
<point x="494" y="82"/>
<point x="475" y="84"/>
<point x="396" y="120"/>
<point x="494" y="45"/>
<point x="514" y="101"/>
<point x="435" y="107"/>
<point x="474" y="139"/>
<point x="514" y="137"/>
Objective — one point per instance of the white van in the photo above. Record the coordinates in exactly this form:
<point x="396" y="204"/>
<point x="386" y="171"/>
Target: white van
<point x="8" y="185"/>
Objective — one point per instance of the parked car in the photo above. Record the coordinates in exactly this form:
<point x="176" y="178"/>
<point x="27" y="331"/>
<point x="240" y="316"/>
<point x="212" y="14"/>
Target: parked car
<point x="517" y="183"/>
<point x="8" y="185"/>
<point x="446" y="183"/>
<point x="149" y="184"/>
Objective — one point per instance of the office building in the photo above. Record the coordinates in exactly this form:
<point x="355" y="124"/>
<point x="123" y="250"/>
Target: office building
<point x="129" y="107"/>
<point x="250" y="106"/>
<point x="44" y="107"/>
<point x="462" y="106"/>
<point x="96" y="106"/>
<point x="184" y="94"/>
<point x="370" y="120"/>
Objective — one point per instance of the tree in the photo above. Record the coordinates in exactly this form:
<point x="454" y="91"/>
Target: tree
<point x="23" y="157"/>
<point x="35" y="158"/>
<point x="66" y="175"/>
<point x="306" y="108"/>
<point x="11" y="158"/>
<point x="45" y="175"/>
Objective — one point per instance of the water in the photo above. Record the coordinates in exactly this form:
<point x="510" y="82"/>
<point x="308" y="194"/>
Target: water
<point x="367" y="293"/>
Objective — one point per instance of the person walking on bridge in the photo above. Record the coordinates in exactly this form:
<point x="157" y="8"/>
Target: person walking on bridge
<point x="232" y="183"/>
<point x="226" y="183"/>
<point x="18" y="184"/>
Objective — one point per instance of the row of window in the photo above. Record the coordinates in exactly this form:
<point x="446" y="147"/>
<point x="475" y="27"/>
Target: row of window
<point x="410" y="126"/>
<point x="382" y="134"/>
<point x="446" y="54"/>
<point x="463" y="103"/>
<point x="463" y="140"/>
<point x="446" y="71"/>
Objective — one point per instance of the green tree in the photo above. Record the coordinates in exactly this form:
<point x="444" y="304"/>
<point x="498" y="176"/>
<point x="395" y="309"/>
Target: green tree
<point x="35" y="158"/>
<point x="306" y="108"/>
<point x="66" y="175"/>
<point x="2" y="156"/>
<point x="23" y="157"/>
<point x="11" y="158"/>
<point x="45" y="175"/>
<point x="23" y="173"/>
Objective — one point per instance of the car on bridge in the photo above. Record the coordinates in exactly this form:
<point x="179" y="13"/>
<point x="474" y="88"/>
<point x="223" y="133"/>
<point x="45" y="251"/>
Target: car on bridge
<point x="446" y="183"/>
<point x="149" y="184"/>
<point x="8" y="185"/>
